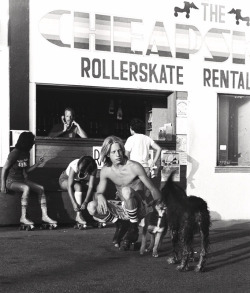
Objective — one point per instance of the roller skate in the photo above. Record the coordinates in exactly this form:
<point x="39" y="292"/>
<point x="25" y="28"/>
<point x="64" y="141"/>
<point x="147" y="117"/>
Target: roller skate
<point x="26" y="224"/>
<point x="129" y="242"/>
<point x="80" y="223"/>
<point x="121" y="229"/>
<point x="48" y="223"/>
<point x="98" y="224"/>
<point x="101" y="225"/>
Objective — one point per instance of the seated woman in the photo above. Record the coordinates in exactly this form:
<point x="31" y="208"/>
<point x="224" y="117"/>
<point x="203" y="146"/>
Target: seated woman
<point x="69" y="127"/>
<point x="78" y="177"/>
<point x="15" y="177"/>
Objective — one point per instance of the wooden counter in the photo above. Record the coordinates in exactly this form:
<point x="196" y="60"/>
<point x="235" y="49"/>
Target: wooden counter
<point x="59" y="152"/>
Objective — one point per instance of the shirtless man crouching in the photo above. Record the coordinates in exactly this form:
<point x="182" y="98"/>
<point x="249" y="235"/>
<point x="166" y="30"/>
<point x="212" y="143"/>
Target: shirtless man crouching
<point x="128" y="177"/>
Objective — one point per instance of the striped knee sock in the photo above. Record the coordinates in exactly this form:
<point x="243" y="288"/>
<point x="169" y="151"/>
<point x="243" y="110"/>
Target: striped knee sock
<point x="110" y="218"/>
<point x="132" y="215"/>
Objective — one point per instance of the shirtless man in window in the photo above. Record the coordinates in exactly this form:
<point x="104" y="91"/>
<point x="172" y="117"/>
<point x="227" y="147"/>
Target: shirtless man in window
<point x="128" y="177"/>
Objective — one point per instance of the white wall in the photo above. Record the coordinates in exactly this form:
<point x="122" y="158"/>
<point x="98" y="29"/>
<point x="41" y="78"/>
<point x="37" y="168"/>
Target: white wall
<point x="226" y="193"/>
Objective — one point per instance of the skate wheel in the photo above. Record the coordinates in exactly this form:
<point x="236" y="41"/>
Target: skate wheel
<point x="101" y="225"/>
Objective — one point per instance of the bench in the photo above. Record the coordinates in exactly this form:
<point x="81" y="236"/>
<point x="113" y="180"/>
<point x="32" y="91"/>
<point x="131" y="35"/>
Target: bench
<point x="58" y="201"/>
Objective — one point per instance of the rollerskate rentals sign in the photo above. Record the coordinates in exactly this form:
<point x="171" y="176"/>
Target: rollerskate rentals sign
<point x="154" y="51"/>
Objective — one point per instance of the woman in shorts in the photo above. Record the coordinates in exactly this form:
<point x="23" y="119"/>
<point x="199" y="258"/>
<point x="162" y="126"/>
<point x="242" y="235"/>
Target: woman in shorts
<point x="78" y="177"/>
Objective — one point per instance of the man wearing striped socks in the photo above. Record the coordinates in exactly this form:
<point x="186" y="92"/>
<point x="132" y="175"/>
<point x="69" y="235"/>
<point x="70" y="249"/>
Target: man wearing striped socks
<point x="129" y="177"/>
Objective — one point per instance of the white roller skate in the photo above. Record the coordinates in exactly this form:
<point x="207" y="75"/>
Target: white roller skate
<point x="48" y="223"/>
<point x="26" y="224"/>
<point x="81" y="224"/>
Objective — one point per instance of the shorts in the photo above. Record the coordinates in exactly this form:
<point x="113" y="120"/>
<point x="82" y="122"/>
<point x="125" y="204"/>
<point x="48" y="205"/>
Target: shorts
<point x="9" y="181"/>
<point x="63" y="177"/>
<point x="117" y="209"/>
<point x="84" y="183"/>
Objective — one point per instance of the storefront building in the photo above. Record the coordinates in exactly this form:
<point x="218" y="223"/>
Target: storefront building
<point x="181" y="67"/>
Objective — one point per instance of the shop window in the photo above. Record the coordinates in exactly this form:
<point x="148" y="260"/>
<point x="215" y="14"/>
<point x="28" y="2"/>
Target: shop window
<point x="100" y="111"/>
<point x="233" y="131"/>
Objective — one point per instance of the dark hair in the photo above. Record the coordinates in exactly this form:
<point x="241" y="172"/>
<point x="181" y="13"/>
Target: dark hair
<point x="88" y="164"/>
<point x="137" y="125"/>
<point x="70" y="110"/>
<point x="25" y="141"/>
<point x="106" y="146"/>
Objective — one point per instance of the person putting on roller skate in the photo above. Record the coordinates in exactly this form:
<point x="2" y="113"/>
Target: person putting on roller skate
<point x="78" y="177"/>
<point x="128" y="177"/>
<point x="15" y="177"/>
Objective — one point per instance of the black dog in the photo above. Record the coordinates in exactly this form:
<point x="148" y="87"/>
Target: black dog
<point x="186" y="216"/>
<point x="155" y="223"/>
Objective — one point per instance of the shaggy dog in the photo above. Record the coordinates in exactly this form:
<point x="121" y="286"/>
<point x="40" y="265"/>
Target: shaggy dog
<point x="156" y="224"/>
<point x="186" y="216"/>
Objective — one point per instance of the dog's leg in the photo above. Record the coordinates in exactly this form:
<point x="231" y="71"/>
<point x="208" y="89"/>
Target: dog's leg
<point x="204" y="233"/>
<point x="143" y="239"/>
<point x="156" y="244"/>
<point x="162" y="236"/>
<point x="191" y="254"/>
<point x="186" y="238"/>
<point x="152" y="242"/>
<point x="174" y="238"/>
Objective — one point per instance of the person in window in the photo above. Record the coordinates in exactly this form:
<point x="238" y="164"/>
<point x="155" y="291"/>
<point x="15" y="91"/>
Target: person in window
<point x="15" y="177"/>
<point x="69" y="127"/>
<point x="79" y="176"/>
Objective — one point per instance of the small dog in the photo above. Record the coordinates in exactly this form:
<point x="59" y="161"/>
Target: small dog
<point x="156" y="225"/>
<point x="186" y="215"/>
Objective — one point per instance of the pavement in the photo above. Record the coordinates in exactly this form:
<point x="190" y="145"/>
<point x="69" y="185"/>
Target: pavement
<point x="70" y="260"/>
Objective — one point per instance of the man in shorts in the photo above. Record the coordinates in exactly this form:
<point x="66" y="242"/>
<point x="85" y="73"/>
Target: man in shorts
<point x="129" y="177"/>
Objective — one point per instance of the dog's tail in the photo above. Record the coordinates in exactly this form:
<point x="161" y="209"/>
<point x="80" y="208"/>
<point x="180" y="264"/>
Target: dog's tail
<point x="172" y="186"/>
<point x="172" y="189"/>
<point x="171" y="176"/>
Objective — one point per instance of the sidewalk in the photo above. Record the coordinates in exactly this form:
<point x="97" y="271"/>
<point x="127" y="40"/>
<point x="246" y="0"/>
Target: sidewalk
<point x="69" y="260"/>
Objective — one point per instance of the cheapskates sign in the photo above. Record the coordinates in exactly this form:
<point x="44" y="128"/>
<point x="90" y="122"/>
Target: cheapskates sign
<point x="150" y="49"/>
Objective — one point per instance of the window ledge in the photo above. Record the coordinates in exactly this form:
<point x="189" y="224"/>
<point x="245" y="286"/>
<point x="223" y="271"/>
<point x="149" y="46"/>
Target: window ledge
<point x="232" y="169"/>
